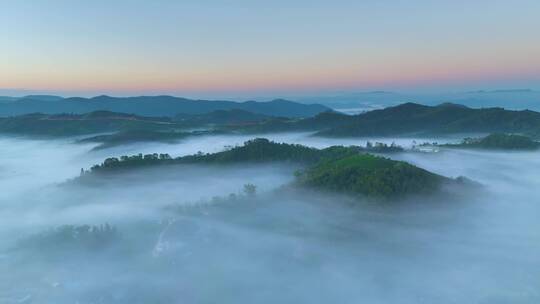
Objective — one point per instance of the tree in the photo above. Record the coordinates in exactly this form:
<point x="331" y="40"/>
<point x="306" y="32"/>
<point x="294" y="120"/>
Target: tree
<point x="250" y="189"/>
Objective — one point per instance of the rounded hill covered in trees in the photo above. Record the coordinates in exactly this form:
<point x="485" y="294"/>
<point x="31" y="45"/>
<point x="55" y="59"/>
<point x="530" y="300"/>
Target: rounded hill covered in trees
<point x="347" y="170"/>
<point x="372" y="176"/>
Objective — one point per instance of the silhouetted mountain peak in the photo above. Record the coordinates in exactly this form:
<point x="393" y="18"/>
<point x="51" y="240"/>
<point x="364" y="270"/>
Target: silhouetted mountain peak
<point x="406" y="107"/>
<point x="101" y="97"/>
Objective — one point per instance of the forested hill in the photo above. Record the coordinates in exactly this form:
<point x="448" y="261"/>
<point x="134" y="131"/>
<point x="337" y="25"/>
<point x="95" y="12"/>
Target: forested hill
<point x="259" y="150"/>
<point x="408" y="119"/>
<point x="321" y="121"/>
<point x="340" y="169"/>
<point x="104" y="121"/>
<point x="373" y="176"/>
<point x="74" y="124"/>
<point x="223" y="117"/>
<point x="153" y="106"/>
<point x="498" y="141"/>
<point x="416" y="119"/>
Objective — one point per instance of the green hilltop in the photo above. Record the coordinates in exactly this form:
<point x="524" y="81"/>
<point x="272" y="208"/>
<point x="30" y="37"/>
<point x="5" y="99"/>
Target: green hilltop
<point x="348" y="170"/>
<point x="371" y="176"/>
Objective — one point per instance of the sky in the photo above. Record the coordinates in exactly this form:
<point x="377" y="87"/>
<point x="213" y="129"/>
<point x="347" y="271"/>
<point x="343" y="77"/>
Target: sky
<point x="233" y="48"/>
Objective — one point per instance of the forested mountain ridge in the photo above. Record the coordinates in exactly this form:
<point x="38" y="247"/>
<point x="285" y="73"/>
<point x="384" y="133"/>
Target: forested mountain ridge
<point x="416" y="119"/>
<point x="39" y="124"/>
<point x="75" y="124"/>
<point x="321" y="121"/>
<point x="154" y="106"/>
<point x="223" y="117"/>
<point x="497" y="141"/>
<point x="408" y="119"/>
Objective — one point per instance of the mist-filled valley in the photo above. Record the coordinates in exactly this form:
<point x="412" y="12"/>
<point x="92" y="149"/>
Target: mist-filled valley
<point x="269" y="152"/>
<point x="245" y="232"/>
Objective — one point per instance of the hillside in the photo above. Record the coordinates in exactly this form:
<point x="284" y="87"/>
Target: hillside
<point x="107" y="122"/>
<point x="321" y="121"/>
<point x="407" y="119"/>
<point x="416" y="119"/>
<point x="72" y="124"/>
<point x="258" y="150"/>
<point x="347" y="170"/>
<point x="223" y="117"/>
<point x="371" y="176"/>
<point x="136" y="136"/>
<point x="498" y="141"/>
<point x="153" y="106"/>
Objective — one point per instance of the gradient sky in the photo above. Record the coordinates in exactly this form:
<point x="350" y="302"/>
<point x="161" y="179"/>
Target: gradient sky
<point x="195" y="47"/>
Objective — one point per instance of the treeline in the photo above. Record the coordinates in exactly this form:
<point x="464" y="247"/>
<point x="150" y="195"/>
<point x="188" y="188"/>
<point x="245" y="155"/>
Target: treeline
<point x="498" y="141"/>
<point x="371" y="176"/>
<point x="257" y="150"/>
<point x="409" y="119"/>
<point x="416" y="119"/>
<point x="340" y="169"/>
<point x="379" y="147"/>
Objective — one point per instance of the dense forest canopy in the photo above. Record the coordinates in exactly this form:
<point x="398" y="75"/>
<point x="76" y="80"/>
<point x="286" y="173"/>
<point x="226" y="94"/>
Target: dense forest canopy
<point x="371" y="176"/>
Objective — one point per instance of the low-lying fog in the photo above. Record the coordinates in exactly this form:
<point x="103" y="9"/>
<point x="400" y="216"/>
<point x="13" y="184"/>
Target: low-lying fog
<point x="174" y="243"/>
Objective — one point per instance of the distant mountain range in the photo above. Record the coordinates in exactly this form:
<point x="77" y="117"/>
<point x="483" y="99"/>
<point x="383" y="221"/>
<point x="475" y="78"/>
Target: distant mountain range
<point x="410" y="119"/>
<point x="446" y="118"/>
<point x="515" y="99"/>
<point x="150" y="106"/>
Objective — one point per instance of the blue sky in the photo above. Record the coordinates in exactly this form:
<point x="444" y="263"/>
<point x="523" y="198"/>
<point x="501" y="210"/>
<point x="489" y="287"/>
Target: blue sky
<point x="267" y="47"/>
